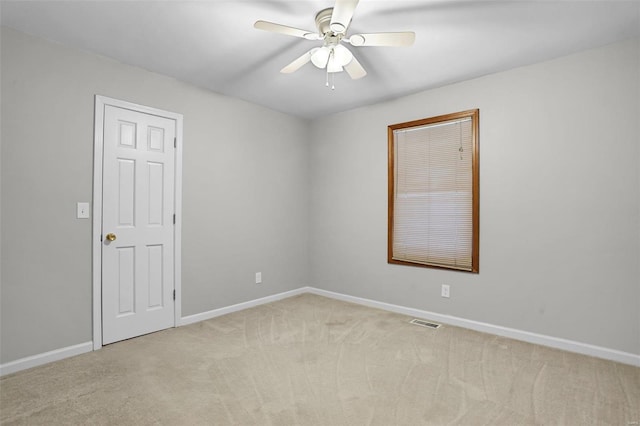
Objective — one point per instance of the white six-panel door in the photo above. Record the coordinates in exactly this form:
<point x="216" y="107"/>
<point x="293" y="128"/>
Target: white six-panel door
<point x="138" y="211"/>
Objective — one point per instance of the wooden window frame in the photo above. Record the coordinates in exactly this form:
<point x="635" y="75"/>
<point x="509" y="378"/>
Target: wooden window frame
<point x="474" y="114"/>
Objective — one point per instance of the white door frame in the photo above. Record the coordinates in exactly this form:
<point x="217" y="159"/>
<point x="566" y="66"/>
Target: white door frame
<point x="96" y="246"/>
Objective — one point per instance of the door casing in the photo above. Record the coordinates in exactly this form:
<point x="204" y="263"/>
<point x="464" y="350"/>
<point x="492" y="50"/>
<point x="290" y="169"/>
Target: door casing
<point x="96" y="246"/>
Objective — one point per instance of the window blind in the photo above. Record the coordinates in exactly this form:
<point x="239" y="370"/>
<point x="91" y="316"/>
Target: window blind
<point x="433" y="194"/>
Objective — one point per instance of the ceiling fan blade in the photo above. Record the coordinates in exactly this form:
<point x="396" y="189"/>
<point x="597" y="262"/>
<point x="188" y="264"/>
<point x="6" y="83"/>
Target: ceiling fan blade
<point x="298" y="63"/>
<point x="383" y="39"/>
<point x="286" y="30"/>
<point x="354" y="69"/>
<point x="342" y="14"/>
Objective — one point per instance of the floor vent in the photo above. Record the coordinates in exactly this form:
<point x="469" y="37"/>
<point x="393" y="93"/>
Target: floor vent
<point x="424" y="323"/>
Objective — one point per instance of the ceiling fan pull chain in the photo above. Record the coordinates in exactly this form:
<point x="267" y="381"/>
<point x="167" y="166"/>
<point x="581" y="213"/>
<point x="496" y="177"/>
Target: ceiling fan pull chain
<point x="332" y="57"/>
<point x="327" y="83"/>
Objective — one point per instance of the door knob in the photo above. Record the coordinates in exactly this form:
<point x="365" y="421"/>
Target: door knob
<point x="111" y="236"/>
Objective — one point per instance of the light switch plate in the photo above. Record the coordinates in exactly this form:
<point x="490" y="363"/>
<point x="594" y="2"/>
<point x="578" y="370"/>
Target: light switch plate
<point x="82" y="210"/>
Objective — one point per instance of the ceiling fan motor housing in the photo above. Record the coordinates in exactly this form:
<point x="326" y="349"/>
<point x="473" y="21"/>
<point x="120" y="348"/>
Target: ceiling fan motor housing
<point x="323" y="22"/>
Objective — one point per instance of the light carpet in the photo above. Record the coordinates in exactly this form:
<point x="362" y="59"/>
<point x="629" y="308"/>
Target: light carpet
<point x="310" y="360"/>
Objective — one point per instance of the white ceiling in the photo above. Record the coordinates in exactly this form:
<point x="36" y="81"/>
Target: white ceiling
<point x="212" y="43"/>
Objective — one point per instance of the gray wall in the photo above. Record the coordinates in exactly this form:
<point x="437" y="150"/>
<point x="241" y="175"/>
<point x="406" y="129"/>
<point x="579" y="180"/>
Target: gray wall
<point x="245" y="186"/>
<point x="559" y="191"/>
<point x="560" y="197"/>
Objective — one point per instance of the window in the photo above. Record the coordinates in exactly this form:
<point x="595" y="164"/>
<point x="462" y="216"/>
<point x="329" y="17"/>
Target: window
<point x="434" y="192"/>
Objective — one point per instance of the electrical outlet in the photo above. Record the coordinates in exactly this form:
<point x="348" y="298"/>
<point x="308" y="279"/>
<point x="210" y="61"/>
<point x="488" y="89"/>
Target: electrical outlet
<point x="258" y="277"/>
<point x="445" y="290"/>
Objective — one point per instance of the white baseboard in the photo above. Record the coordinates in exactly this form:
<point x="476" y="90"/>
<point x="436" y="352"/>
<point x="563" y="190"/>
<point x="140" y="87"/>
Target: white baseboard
<point x="45" y="358"/>
<point x="58" y="354"/>
<point x="539" y="339"/>
<point x="240" y="306"/>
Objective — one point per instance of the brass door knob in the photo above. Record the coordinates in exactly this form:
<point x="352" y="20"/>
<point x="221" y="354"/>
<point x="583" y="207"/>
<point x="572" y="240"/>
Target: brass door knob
<point x="111" y="236"/>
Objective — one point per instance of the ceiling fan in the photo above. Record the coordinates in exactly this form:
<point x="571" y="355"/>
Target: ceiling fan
<point x="332" y="24"/>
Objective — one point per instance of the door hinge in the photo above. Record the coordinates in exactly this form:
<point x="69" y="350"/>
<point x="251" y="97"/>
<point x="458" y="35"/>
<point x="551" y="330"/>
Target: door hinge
<point x="174" y="218"/>
<point x="175" y="142"/>
<point x="174" y="295"/>
<point x="100" y="237"/>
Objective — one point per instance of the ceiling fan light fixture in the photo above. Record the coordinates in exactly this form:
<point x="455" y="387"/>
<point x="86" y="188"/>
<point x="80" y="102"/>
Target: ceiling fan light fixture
<point x="334" y="65"/>
<point x="320" y="57"/>
<point x="342" y="55"/>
